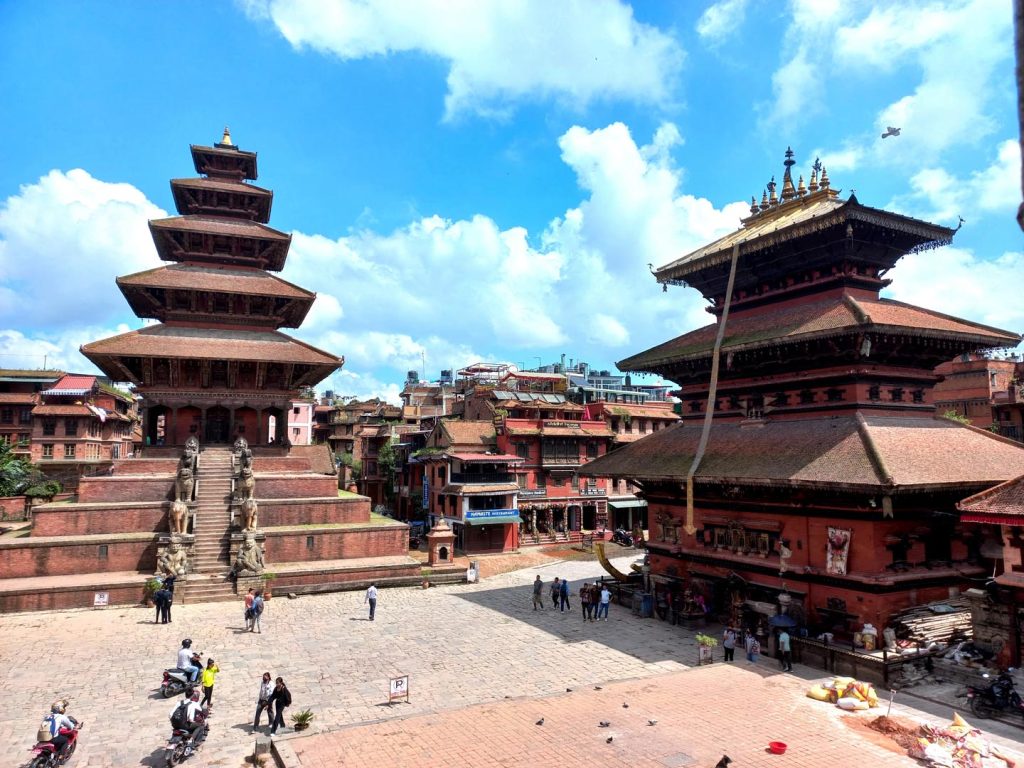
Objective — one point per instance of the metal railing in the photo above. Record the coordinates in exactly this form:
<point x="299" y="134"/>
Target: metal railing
<point x="483" y="477"/>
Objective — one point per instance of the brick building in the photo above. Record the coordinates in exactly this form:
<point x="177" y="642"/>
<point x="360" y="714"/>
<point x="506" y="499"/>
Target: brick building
<point x="810" y="469"/>
<point x="80" y="427"/>
<point x="19" y="394"/>
<point x="984" y="390"/>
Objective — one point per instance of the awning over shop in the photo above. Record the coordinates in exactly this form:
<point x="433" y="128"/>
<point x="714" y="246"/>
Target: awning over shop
<point x="496" y="520"/>
<point x="626" y="503"/>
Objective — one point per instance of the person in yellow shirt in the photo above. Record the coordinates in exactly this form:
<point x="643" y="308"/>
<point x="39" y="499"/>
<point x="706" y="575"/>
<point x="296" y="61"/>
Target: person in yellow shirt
<point x="209" y="674"/>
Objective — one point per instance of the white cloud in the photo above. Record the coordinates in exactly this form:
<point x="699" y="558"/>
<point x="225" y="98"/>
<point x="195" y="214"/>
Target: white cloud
<point x="721" y="21"/>
<point x="63" y="240"/>
<point x="956" y="282"/>
<point x="952" y="52"/>
<point x="55" y="350"/>
<point x="938" y="195"/>
<point x="498" y="52"/>
<point x="438" y="292"/>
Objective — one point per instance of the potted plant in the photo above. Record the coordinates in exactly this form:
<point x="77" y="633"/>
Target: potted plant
<point x="149" y="589"/>
<point x="267" y="578"/>
<point x="704" y="645"/>
<point x="302" y="719"/>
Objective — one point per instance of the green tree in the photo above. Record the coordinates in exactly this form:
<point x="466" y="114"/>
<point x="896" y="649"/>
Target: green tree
<point x="386" y="465"/>
<point x="16" y="472"/>
<point x="954" y="416"/>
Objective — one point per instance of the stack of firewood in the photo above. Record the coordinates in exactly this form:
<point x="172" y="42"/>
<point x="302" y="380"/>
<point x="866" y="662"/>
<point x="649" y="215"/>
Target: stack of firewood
<point x="930" y="623"/>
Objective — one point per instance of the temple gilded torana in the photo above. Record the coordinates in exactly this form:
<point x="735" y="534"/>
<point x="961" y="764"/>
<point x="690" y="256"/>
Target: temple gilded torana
<point x="822" y="482"/>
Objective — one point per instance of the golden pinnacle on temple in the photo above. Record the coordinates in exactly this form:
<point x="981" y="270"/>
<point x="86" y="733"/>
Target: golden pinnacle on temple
<point x="764" y="200"/>
<point x="824" y="178"/>
<point x="753" y="205"/>
<point x="773" y="199"/>
<point x="800" y="188"/>
<point x="226" y="140"/>
<point x="813" y="186"/>
<point x="788" y="191"/>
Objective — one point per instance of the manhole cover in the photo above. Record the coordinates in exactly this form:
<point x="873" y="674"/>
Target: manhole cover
<point x="676" y="761"/>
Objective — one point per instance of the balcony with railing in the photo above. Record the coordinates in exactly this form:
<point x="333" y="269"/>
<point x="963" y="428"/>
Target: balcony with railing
<point x="1011" y="431"/>
<point x="483" y="477"/>
<point x="560" y="460"/>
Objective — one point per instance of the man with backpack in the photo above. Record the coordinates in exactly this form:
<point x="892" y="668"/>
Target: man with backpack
<point x="279" y="699"/>
<point x="257" y="611"/>
<point x="55" y="727"/>
<point x="187" y="715"/>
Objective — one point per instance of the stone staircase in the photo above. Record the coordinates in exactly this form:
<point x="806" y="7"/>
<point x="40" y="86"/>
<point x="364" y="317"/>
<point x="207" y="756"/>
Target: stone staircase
<point x="209" y="580"/>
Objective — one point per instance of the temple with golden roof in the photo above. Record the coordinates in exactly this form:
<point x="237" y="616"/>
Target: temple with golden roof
<point x="810" y="472"/>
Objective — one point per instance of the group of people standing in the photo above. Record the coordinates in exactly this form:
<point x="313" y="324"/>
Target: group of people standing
<point x="253" y="610"/>
<point x="163" y="598"/>
<point x="594" y="598"/>
<point x="272" y="697"/>
<point x="752" y="647"/>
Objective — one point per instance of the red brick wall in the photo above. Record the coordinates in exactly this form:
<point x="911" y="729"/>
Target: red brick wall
<point x="81" y="519"/>
<point x="281" y="584"/>
<point x="131" y="488"/>
<point x="146" y="467"/>
<point x="25" y="557"/>
<point x="335" y="544"/>
<point x="280" y="464"/>
<point x="314" y="511"/>
<point x="80" y="597"/>
<point x="295" y="486"/>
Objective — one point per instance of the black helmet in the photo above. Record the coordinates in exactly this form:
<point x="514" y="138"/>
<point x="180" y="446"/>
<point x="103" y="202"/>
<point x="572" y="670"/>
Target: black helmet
<point x="186" y="643"/>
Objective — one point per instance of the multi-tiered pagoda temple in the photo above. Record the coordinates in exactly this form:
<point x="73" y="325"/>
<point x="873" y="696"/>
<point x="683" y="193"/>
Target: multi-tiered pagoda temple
<point x="216" y="367"/>
<point x="828" y="484"/>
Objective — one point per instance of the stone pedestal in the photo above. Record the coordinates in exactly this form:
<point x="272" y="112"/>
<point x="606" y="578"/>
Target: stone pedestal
<point x="441" y="544"/>
<point x="186" y="541"/>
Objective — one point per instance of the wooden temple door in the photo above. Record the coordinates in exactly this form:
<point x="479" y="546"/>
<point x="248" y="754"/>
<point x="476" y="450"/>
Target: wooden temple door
<point x="218" y="425"/>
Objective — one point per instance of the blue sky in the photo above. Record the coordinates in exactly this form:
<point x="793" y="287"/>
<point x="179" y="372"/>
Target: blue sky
<point x="488" y="180"/>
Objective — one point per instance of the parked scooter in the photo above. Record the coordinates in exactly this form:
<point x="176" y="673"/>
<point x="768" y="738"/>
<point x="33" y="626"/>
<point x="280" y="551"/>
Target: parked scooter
<point x="176" y="680"/>
<point x="623" y="537"/>
<point x="45" y="756"/>
<point x="999" y="696"/>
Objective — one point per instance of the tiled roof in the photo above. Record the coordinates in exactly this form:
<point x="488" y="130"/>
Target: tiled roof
<point x="220" y="226"/>
<point x="209" y="344"/>
<point x="8" y="374"/>
<point x="813" y="212"/>
<point x="828" y="317"/>
<point x="242" y="281"/>
<point x="17" y="398"/>
<point x="62" y="410"/>
<point x="869" y="452"/>
<point x="496" y="457"/>
<point x="71" y="384"/>
<point x="636" y="411"/>
<point x="1005" y="499"/>
<point x="470" y="489"/>
<point x="469" y="432"/>
<point x="221" y="185"/>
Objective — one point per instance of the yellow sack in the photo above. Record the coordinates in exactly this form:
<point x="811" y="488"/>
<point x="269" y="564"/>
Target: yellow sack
<point x="850" y="703"/>
<point x="819" y="693"/>
<point x="841" y="683"/>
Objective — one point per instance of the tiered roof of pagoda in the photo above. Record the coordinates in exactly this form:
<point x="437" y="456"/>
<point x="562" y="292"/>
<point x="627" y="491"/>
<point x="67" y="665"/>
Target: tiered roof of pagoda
<point x="217" y="302"/>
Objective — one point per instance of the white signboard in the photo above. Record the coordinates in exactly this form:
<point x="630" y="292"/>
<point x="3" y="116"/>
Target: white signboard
<point x="399" y="689"/>
<point x="100" y="599"/>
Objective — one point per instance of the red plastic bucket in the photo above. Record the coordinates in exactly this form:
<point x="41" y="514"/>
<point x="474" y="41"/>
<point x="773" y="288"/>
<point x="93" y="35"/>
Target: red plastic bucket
<point x="777" y="747"/>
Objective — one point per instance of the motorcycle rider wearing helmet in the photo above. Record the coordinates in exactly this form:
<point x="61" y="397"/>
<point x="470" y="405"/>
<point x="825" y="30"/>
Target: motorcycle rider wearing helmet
<point x="186" y="662"/>
<point x="195" y="715"/>
<point x="59" y="724"/>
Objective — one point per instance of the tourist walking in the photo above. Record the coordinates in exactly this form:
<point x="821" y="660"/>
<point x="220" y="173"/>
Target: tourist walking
<point x="585" y="605"/>
<point x="787" y="655"/>
<point x="158" y="603"/>
<point x="258" y="605"/>
<point x="605" y="601"/>
<point x="556" y="592"/>
<point x="166" y="607"/>
<point x="371" y="598"/>
<point x="538" y="593"/>
<point x="729" y="643"/>
<point x="249" y="597"/>
<point x="279" y="699"/>
<point x="263" y="701"/>
<point x="563" y="593"/>
<point x="209" y="674"/>
<point x="751" y="646"/>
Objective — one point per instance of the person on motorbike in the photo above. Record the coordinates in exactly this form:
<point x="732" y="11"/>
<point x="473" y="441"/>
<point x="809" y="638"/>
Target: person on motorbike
<point x="59" y="724"/>
<point x="195" y="715"/>
<point x="188" y="660"/>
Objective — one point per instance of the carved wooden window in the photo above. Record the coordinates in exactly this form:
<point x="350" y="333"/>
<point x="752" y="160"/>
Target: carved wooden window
<point x="48" y="451"/>
<point x="49" y="428"/>
<point x="874" y="392"/>
<point x="694" y="406"/>
<point x="70" y="427"/>
<point x="69" y="450"/>
<point x="781" y="400"/>
<point x="6" y="416"/>
<point x="917" y="395"/>
<point x="897" y="394"/>
<point x="806" y="396"/>
<point x="835" y="395"/>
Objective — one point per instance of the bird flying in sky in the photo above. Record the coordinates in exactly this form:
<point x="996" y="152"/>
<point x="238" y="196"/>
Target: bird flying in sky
<point x="891" y="131"/>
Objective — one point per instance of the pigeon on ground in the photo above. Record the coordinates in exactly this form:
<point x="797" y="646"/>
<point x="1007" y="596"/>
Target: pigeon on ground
<point x="652" y="722"/>
<point x="598" y="688"/>
<point x="568" y="690"/>
<point x="891" y="131"/>
<point x="609" y="740"/>
<point x="724" y="762"/>
<point x="603" y="724"/>
<point x="540" y="722"/>
<point x="625" y="706"/>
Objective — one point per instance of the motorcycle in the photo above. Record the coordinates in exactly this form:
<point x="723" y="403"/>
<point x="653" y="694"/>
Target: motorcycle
<point x="623" y="537"/>
<point x="999" y="696"/>
<point x="183" y="744"/>
<point x="45" y="756"/>
<point x="176" y="680"/>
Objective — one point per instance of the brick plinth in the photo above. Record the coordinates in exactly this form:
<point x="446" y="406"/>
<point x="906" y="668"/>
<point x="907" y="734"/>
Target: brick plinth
<point x="127" y="488"/>
<point x="83" y="519"/>
<point x="298" y="486"/>
<point x="77" y="555"/>
<point x="282" y="512"/>
<point x="77" y="596"/>
<point x="145" y="467"/>
<point x="288" y="545"/>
